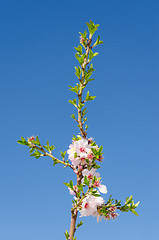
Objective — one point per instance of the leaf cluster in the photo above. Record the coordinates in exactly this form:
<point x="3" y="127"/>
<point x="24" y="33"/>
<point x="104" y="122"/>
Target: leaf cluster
<point x="69" y="185"/>
<point x="36" y="149"/>
<point x="23" y="142"/>
<point x="92" y="28"/>
<point x="48" y="147"/>
<point x="67" y="236"/>
<point x="84" y="72"/>
<point x="97" y="152"/>
<point x="130" y="205"/>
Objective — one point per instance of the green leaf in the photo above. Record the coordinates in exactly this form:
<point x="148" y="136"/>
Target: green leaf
<point x="86" y="181"/>
<point x="76" y="138"/>
<point x="86" y="127"/>
<point x="134" y="212"/>
<point x="37" y="140"/>
<point x="78" y="194"/>
<point x="73" y="116"/>
<point x="46" y="147"/>
<point x="91" y="69"/>
<point x="96" y="194"/>
<point x="89" y="80"/>
<point x="81" y="105"/>
<point x="52" y="148"/>
<point x="92" y="28"/>
<point x="71" y="184"/>
<point x="36" y="154"/>
<point x="94" y="179"/>
<point x="74" y="89"/>
<point x="55" y="162"/>
<point x="73" y="102"/>
<point x="84" y="120"/>
<point x="66" y="235"/>
<point x="84" y="35"/>
<point x="97" y="42"/>
<point x="100" y="149"/>
<point x="79" y="224"/>
<point x="96" y="166"/>
<point x="31" y="150"/>
<point x="66" y="184"/>
<point x="87" y="76"/>
<point x="80" y="187"/>
<point x="79" y="49"/>
<point x="23" y="141"/>
<point x="78" y="71"/>
<point x="90" y="54"/>
<point x="95" y="54"/>
<point x="63" y="154"/>
<point x="89" y="98"/>
<point x="80" y="59"/>
<point x="128" y="200"/>
<point x="84" y="112"/>
<point x="94" y="151"/>
<point x="136" y="205"/>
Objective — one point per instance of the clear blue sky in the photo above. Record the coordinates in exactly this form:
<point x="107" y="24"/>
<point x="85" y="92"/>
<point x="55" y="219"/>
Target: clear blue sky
<point x="37" y="40"/>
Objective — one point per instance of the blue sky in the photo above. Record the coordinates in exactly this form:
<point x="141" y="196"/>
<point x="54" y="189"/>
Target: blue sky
<point x="37" y="40"/>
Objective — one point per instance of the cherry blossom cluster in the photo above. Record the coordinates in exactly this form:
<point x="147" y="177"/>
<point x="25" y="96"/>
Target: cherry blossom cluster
<point x="83" y="153"/>
<point x="111" y="213"/>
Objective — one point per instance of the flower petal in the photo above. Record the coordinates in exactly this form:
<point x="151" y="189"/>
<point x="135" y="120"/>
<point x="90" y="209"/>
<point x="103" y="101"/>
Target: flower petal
<point x="102" y="188"/>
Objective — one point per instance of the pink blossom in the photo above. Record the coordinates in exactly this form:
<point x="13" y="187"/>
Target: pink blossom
<point x="31" y="138"/>
<point x="114" y="215"/>
<point x="90" y="156"/>
<point x="81" y="39"/>
<point x="80" y="167"/>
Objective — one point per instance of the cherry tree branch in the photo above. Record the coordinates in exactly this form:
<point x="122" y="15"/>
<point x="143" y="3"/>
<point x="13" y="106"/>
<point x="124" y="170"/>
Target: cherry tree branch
<point x="82" y="84"/>
<point x="53" y="158"/>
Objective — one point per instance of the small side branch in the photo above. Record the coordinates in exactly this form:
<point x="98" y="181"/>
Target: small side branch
<point x="53" y="158"/>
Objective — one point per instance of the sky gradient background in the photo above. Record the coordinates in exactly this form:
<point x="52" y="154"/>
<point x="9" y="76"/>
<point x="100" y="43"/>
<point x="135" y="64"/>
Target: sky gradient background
<point x="37" y="40"/>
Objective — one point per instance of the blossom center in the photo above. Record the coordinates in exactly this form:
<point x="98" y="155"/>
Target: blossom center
<point x="96" y="183"/>
<point x="90" y="176"/>
<point x="82" y="149"/>
<point x="86" y="205"/>
<point x="89" y="156"/>
<point x="31" y="138"/>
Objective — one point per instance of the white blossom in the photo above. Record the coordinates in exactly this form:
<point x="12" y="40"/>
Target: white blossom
<point x="90" y="175"/>
<point x="79" y="151"/>
<point x="90" y="204"/>
<point x="71" y="152"/>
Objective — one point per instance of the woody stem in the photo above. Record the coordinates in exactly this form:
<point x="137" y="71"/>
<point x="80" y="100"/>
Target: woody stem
<point x="73" y="224"/>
